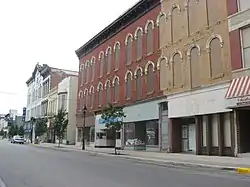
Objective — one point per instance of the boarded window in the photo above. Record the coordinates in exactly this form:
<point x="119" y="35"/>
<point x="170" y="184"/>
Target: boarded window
<point x="139" y="44"/>
<point x="139" y="84"/>
<point x="215" y="57"/>
<point x="177" y="30"/>
<point x="150" y="43"/>
<point x="129" y="50"/>
<point x="101" y="66"/>
<point x="93" y="69"/>
<point x="150" y="78"/>
<point x="195" y="67"/>
<point x="108" y="93"/>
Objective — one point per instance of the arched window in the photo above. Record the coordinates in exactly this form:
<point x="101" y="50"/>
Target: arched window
<point x="93" y="68"/>
<point x="87" y="71"/>
<point x="108" y="93"/>
<point x="176" y="25"/>
<point x="195" y="66"/>
<point x="99" y="90"/>
<point x="149" y="32"/>
<point x="81" y="75"/>
<point x="128" y="80"/>
<point x="86" y="97"/>
<point x="101" y="63"/>
<point x="117" y="51"/>
<point x="150" y="78"/>
<point x="116" y="89"/>
<point x="138" y="38"/>
<point x="108" y="59"/>
<point x="128" y="44"/>
<point x="177" y="69"/>
<point x="80" y="95"/>
<point x="138" y="76"/>
<point x="216" y="65"/>
<point x="92" y="97"/>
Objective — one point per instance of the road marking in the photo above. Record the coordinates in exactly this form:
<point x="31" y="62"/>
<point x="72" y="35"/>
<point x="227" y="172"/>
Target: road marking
<point x="2" y="183"/>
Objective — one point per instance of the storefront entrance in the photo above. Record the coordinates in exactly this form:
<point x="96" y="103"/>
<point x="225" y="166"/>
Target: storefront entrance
<point x="244" y="129"/>
<point x="188" y="135"/>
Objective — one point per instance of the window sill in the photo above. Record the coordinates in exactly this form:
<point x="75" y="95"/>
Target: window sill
<point x="116" y="70"/>
<point x="219" y="76"/>
<point x="150" y="93"/>
<point x="128" y="98"/>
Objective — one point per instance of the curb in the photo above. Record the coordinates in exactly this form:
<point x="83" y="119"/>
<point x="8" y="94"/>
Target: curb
<point x="163" y="163"/>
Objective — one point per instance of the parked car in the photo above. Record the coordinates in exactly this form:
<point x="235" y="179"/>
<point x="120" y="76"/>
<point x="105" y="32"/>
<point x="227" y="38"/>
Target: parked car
<point x="17" y="139"/>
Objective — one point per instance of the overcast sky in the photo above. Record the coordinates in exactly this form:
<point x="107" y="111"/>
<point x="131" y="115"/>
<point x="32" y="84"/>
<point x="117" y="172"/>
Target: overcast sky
<point x="48" y="32"/>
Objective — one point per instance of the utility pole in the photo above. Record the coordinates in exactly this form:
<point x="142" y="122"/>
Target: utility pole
<point x="84" y="110"/>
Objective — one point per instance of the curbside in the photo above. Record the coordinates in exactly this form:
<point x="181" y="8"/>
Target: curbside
<point x="243" y="170"/>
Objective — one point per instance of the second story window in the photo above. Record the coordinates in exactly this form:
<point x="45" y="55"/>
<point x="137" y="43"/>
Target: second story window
<point x="87" y="67"/>
<point x="92" y="96"/>
<point x="117" y="52"/>
<point x="99" y="90"/>
<point x="101" y="63"/>
<point x="149" y="34"/>
<point x="93" y="68"/>
<point x="108" y="59"/>
<point x="150" y="77"/>
<point x="138" y="76"/>
<point x="116" y="89"/>
<point x="108" y="93"/>
<point x="138" y="39"/>
<point x="129" y="86"/>
<point x="128" y="43"/>
<point x="246" y="46"/>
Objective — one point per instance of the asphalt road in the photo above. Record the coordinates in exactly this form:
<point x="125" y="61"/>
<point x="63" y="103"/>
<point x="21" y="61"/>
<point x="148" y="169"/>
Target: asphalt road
<point x="29" y="166"/>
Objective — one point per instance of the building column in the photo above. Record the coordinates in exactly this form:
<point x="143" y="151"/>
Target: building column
<point x="220" y="119"/>
<point x="209" y="133"/>
<point x="198" y="133"/>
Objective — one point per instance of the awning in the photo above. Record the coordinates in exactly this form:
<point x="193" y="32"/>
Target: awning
<point x="239" y="87"/>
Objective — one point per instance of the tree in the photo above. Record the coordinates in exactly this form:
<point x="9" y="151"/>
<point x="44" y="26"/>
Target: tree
<point x="113" y="119"/>
<point x="41" y="126"/>
<point x="21" y="131"/>
<point x="60" y="125"/>
<point x="13" y="130"/>
<point x="1" y="132"/>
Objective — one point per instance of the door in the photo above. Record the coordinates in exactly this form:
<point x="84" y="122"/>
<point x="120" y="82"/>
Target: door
<point x="184" y="138"/>
<point x="191" y="138"/>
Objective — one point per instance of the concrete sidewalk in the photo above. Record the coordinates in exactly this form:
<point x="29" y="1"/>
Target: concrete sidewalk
<point x="240" y="164"/>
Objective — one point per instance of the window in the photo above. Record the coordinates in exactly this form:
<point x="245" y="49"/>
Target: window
<point x="92" y="97"/>
<point x="101" y="58"/>
<point x="138" y="74"/>
<point x="116" y="89"/>
<point x="195" y="67"/>
<point x="81" y="74"/>
<point x="99" y="90"/>
<point x="93" y="68"/>
<point x="149" y="32"/>
<point x="246" y="46"/>
<point x="62" y="102"/>
<point x="216" y="66"/>
<point x="244" y="4"/>
<point x="177" y="69"/>
<point x="85" y="95"/>
<point x="138" y="38"/>
<point x="128" y="43"/>
<point x="108" y="94"/>
<point x="108" y="60"/>
<point x="117" y="50"/>
<point x="128" y="80"/>
<point x="150" y="78"/>
<point x="87" y="71"/>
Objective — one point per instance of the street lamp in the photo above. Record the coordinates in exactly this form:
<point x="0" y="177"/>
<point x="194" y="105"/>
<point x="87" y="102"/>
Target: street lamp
<point x="84" y="110"/>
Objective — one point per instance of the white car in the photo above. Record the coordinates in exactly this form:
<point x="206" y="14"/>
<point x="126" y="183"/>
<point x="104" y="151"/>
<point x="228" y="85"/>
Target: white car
<point x="17" y="139"/>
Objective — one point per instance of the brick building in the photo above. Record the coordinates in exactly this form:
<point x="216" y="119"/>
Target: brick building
<point x="238" y="94"/>
<point x="120" y="66"/>
<point x="196" y="73"/>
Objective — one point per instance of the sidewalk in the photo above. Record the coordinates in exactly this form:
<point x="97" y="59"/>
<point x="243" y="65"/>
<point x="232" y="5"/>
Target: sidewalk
<point x="240" y="164"/>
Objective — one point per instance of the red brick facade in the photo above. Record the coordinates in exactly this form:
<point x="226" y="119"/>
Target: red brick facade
<point x="123" y="67"/>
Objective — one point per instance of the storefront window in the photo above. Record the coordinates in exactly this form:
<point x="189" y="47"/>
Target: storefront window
<point x="129" y="134"/>
<point x="79" y="134"/>
<point x="152" y="133"/>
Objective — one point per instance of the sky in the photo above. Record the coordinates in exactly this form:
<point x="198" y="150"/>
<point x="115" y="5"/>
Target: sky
<point x="48" y="32"/>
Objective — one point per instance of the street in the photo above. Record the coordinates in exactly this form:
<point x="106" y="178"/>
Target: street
<point x="30" y="166"/>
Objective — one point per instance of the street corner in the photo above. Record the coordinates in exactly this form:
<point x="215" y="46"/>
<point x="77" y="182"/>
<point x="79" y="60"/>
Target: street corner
<point x="243" y="170"/>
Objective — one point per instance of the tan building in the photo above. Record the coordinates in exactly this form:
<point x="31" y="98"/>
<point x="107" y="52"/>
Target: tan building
<point x="195" y="72"/>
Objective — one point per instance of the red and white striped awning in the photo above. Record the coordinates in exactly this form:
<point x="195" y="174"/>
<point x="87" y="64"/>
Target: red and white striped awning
<point x="239" y="87"/>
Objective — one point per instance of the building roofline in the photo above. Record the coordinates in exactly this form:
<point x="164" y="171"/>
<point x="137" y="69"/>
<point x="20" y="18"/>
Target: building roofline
<point x="132" y="14"/>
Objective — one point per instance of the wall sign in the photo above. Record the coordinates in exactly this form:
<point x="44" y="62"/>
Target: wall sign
<point x="243" y="101"/>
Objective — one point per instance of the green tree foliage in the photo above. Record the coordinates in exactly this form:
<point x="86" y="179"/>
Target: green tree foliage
<point x="60" y="124"/>
<point x="1" y="132"/>
<point x="113" y="119"/>
<point x="13" y="130"/>
<point x="21" y="131"/>
<point x="41" y="126"/>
